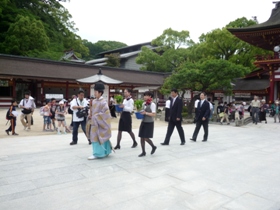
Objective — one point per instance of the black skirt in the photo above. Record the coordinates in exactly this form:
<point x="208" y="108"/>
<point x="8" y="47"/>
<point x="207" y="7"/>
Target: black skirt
<point x="146" y="130"/>
<point x="125" y="123"/>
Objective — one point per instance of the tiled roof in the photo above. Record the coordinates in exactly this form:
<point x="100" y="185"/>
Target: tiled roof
<point x="24" y="67"/>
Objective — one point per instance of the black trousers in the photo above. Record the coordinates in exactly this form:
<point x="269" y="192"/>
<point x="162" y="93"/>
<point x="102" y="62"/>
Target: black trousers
<point x="170" y="129"/>
<point x="200" y="123"/>
<point x="13" y="125"/>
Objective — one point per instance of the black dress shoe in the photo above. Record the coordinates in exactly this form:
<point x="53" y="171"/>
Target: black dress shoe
<point x="117" y="147"/>
<point x="134" y="145"/>
<point x="182" y="143"/>
<point x="153" y="150"/>
<point x="7" y="132"/>
<point x="73" y="143"/>
<point x="204" y="140"/>
<point x="164" y="144"/>
<point x="142" y="154"/>
<point x="193" y="139"/>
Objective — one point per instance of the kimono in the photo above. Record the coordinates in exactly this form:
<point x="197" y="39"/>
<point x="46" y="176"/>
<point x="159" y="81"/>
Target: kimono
<point x="100" y="131"/>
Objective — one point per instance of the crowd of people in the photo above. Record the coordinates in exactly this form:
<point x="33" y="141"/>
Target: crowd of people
<point x="94" y="116"/>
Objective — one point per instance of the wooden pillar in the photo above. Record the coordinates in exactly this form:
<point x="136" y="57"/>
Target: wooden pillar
<point x="89" y="90"/>
<point x="42" y="93"/>
<point x="271" y="86"/>
<point x="67" y="90"/>
<point x="14" y="93"/>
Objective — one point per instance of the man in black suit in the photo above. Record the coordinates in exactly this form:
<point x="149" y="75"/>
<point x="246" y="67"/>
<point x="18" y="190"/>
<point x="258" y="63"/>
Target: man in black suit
<point x="175" y="118"/>
<point x="202" y="117"/>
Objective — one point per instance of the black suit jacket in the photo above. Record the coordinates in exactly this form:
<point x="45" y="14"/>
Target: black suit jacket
<point x="176" y="109"/>
<point x="203" y="111"/>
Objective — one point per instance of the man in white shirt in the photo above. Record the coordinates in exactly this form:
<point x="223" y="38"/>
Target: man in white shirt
<point x="78" y="104"/>
<point x="27" y="105"/>
<point x="125" y="123"/>
<point x="167" y="109"/>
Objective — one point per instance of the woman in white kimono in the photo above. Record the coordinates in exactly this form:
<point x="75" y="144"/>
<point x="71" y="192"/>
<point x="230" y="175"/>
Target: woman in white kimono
<point x="100" y="132"/>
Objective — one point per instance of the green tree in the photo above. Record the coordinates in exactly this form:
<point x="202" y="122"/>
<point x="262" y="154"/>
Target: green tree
<point x="169" y="54"/>
<point x="101" y="46"/>
<point x="113" y="60"/>
<point x="209" y="75"/>
<point x="26" y="35"/>
<point x="54" y="18"/>
<point x="221" y="44"/>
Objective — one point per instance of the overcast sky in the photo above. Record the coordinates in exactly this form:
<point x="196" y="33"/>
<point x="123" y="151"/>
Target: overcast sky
<point x="134" y="21"/>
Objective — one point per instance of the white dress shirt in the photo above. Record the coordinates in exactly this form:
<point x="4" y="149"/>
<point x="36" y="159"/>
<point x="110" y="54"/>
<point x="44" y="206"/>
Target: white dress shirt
<point x="167" y="104"/>
<point x="174" y="99"/>
<point x="201" y="102"/>
<point x="83" y="103"/>
<point x="196" y="103"/>
<point x="128" y="105"/>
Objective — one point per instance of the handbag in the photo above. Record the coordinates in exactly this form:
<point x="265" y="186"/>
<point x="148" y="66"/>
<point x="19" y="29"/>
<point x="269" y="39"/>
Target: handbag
<point x="26" y="111"/>
<point x="81" y="112"/>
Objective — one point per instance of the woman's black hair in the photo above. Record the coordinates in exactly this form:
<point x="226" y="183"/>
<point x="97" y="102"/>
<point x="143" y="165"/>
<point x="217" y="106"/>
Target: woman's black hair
<point x="13" y="101"/>
<point x="129" y="90"/>
<point x="148" y="93"/>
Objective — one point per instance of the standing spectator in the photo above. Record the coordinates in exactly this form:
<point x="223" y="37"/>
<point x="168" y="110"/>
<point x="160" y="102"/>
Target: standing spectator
<point x="125" y="122"/>
<point x="176" y="109"/>
<point x="202" y="118"/>
<point x="225" y="115"/>
<point x="232" y="110"/>
<point x="255" y="107"/>
<point x="77" y="104"/>
<point x="146" y="130"/>
<point x="241" y="110"/>
<point x="275" y="111"/>
<point x="46" y="115"/>
<point x="52" y="115"/>
<point x="167" y="109"/>
<point x="70" y="111"/>
<point x="27" y="105"/>
<point x="112" y="107"/>
<point x="211" y="108"/>
<point x="220" y="109"/>
<point x="12" y="117"/>
<point x="263" y="109"/>
<point x="60" y="115"/>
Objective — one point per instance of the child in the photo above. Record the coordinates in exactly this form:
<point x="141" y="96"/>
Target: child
<point x="146" y="129"/>
<point x="12" y="116"/>
<point x="47" y="111"/>
<point x="60" y="112"/>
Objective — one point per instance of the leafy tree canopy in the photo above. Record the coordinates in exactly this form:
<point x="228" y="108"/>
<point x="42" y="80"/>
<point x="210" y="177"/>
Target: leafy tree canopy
<point x="101" y="46"/>
<point x="169" y="53"/>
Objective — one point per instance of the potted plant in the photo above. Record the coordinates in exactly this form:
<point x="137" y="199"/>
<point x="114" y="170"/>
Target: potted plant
<point x="138" y="104"/>
<point x="119" y="100"/>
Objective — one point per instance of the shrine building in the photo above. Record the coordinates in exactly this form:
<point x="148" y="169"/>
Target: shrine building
<point x="266" y="80"/>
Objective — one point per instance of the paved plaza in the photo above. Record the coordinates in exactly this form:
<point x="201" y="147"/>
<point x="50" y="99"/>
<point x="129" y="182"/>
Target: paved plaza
<point x="238" y="168"/>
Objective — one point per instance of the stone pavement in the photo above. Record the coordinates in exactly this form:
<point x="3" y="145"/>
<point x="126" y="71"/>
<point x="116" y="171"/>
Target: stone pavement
<point x="238" y="168"/>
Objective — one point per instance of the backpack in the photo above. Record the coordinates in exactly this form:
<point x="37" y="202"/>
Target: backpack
<point x="41" y="111"/>
<point x="8" y="117"/>
<point x="70" y="111"/>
